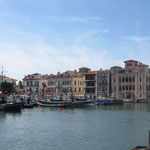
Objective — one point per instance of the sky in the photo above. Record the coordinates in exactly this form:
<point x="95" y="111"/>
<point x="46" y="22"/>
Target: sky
<point x="50" y="36"/>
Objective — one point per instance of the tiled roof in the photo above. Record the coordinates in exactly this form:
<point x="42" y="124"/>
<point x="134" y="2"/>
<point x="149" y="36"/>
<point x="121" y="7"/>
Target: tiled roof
<point x="91" y="72"/>
<point x="35" y="76"/>
<point x="141" y="64"/>
<point x="70" y="74"/>
<point x="7" y="78"/>
<point x="131" y="60"/>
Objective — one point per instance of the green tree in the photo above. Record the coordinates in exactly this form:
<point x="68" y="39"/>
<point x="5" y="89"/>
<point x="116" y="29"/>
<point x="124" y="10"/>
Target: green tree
<point x="7" y="88"/>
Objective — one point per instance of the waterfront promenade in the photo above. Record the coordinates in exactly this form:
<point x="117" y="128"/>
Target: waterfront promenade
<point x="91" y="128"/>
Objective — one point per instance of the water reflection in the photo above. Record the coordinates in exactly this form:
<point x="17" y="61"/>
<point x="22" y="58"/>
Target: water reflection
<point x="2" y="115"/>
<point x="145" y="107"/>
<point x="126" y="107"/>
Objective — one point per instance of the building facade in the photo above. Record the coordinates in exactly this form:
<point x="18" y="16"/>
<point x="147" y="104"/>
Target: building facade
<point x="103" y="83"/>
<point x="67" y="83"/>
<point x="31" y="83"/>
<point x="131" y="82"/>
<point x="90" y="86"/>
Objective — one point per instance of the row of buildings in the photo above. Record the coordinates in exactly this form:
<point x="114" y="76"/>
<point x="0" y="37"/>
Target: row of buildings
<point x="130" y="82"/>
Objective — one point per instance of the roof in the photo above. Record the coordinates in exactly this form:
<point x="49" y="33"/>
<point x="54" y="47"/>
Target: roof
<point x="141" y="64"/>
<point x="131" y="60"/>
<point x="70" y="73"/>
<point x="35" y="76"/>
<point x="5" y="78"/>
<point x="91" y="72"/>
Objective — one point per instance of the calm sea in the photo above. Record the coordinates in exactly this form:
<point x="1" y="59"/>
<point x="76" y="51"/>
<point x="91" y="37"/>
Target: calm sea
<point x="90" y="128"/>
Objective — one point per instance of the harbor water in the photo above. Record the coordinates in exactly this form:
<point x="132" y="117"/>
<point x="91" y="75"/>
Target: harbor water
<point x="91" y="128"/>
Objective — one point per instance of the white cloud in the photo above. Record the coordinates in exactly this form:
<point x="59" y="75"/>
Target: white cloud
<point x="44" y="58"/>
<point x="75" y="18"/>
<point x="138" y="38"/>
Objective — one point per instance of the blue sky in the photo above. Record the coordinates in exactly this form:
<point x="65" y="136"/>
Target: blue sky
<point x="47" y="36"/>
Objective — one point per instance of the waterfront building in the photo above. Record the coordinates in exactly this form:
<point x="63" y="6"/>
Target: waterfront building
<point x="31" y="83"/>
<point x="60" y="84"/>
<point x="7" y="79"/>
<point x="67" y="83"/>
<point x="103" y="83"/>
<point x="90" y="86"/>
<point x="131" y="82"/>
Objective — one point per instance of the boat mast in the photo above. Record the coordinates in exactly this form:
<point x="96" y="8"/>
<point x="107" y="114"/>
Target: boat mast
<point x="2" y="85"/>
<point x="2" y="73"/>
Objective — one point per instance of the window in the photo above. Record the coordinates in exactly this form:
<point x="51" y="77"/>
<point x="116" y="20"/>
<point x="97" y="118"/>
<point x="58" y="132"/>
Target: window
<point x="129" y="64"/>
<point x="79" y="89"/>
<point x="114" y="88"/>
<point x="122" y="87"/>
<point x="119" y="79"/>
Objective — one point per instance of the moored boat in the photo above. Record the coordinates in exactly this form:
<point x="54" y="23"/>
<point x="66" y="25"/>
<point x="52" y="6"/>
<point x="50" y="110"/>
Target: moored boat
<point x="108" y="101"/>
<point x="10" y="107"/>
<point x="54" y="102"/>
<point x="9" y="104"/>
<point x="82" y="102"/>
<point x="104" y="101"/>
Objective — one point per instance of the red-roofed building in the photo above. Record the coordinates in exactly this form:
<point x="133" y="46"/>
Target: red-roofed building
<point x="31" y="83"/>
<point x="66" y="83"/>
<point x="7" y="79"/>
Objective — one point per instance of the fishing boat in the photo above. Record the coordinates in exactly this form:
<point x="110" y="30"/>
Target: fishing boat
<point x="104" y="101"/>
<point x="108" y="101"/>
<point x="81" y="101"/>
<point x="55" y="102"/>
<point x="10" y="107"/>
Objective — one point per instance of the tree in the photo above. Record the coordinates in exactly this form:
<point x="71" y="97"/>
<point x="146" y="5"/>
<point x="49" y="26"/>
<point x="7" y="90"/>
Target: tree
<point x="6" y="87"/>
